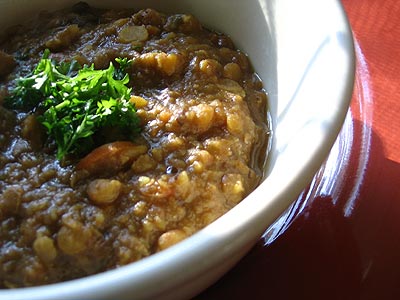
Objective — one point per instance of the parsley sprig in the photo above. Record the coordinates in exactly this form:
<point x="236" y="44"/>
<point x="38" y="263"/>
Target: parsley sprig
<point x="74" y="107"/>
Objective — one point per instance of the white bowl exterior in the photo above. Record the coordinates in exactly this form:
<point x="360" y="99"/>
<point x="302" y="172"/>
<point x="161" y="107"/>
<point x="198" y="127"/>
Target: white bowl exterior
<point x="303" y="51"/>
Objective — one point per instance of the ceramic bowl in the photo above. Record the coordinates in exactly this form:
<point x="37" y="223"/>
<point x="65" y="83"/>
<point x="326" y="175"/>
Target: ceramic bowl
<point x="303" y="51"/>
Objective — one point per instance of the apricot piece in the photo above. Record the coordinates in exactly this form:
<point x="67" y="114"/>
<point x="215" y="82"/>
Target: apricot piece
<point x="111" y="158"/>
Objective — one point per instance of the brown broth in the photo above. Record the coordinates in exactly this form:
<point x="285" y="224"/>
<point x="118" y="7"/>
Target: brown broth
<point x="200" y="152"/>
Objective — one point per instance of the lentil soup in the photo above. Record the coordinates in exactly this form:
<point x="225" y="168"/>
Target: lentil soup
<point x="200" y="151"/>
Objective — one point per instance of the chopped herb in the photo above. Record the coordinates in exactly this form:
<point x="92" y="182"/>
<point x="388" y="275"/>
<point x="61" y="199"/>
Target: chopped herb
<point x="77" y="102"/>
<point x="124" y="64"/>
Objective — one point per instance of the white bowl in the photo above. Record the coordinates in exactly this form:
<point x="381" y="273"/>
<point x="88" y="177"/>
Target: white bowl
<point x="303" y="51"/>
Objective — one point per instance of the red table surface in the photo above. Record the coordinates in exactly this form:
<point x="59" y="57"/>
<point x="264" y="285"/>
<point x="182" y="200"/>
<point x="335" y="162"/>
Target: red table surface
<point x="341" y="238"/>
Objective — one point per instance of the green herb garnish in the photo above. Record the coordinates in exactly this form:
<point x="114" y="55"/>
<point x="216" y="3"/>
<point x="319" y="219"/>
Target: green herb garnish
<point x="74" y="107"/>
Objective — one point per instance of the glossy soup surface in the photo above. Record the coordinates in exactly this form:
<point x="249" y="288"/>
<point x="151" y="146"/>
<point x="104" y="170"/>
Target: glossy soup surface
<point x="202" y="112"/>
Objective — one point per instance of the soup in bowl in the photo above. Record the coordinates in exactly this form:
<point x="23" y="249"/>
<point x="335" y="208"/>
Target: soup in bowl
<point x="211" y="118"/>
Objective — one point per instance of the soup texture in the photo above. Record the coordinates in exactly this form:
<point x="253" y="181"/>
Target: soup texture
<point x="196" y="147"/>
